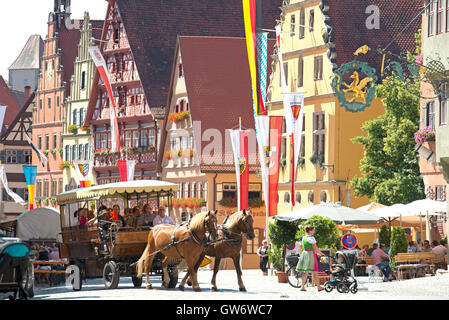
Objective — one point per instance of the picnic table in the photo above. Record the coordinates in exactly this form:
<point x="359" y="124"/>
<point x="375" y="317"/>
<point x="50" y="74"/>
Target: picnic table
<point x="56" y="267"/>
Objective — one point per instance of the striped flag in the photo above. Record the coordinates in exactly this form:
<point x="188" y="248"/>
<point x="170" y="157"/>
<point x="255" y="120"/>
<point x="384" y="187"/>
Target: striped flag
<point x="262" y="56"/>
<point x="126" y="169"/>
<point x="12" y="194"/>
<point x="30" y="173"/>
<point x="239" y="140"/>
<point x="102" y="68"/>
<point x="42" y="158"/>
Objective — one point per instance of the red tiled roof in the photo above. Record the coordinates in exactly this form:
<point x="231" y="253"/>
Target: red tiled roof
<point x="348" y="21"/>
<point x="68" y="43"/>
<point x="7" y="99"/>
<point x="219" y="92"/>
<point x="152" y="28"/>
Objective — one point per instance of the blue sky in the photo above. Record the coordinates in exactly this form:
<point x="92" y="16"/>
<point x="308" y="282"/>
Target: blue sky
<point x="21" y="18"/>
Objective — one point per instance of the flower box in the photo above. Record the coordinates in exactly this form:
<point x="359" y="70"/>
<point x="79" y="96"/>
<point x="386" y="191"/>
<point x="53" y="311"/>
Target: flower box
<point x="73" y="129"/>
<point x="425" y="134"/>
<point x="178" y="116"/>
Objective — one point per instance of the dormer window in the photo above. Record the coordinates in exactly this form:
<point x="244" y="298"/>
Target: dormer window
<point x="180" y="73"/>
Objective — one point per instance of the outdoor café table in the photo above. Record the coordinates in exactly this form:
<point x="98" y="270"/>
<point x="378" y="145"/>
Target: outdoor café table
<point x="52" y="264"/>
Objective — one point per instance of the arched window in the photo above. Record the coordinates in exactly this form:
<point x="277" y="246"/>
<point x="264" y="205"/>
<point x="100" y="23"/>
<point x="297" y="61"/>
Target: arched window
<point x="298" y="197"/>
<point x="310" y="197"/>
<point x="181" y="105"/>
<point x="323" y="196"/>
<point x="287" y="197"/>
<point x="177" y="108"/>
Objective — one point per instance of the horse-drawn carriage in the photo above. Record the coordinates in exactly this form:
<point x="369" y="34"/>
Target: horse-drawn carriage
<point x="110" y="252"/>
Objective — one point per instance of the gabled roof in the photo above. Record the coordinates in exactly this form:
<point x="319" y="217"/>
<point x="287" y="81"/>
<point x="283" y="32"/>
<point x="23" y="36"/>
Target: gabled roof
<point x="152" y="28"/>
<point x="218" y="86"/>
<point x="348" y="20"/>
<point x="30" y="56"/>
<point x="19" y="125"/>
<point x="7" y="99"/>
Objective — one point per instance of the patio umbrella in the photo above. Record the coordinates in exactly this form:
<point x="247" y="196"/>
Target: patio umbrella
<point x="336" y="212"/>
<point x="371" y="206"/>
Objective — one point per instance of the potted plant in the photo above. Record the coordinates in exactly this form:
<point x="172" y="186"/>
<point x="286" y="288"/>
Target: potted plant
<point x="46" y="152"/>
<point x="61" y="152"/>
<point x="282" y="234"/>
<point x="73" y="129"/>
<point x="301" y="162"/>
<point x="275" y="257"/>
<point x="317" y="160"/>
<point x="54" y="151"/>
<point x="64" y="165"/>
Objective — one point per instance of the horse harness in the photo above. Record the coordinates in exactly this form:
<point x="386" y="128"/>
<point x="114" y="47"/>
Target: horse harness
<point x="226" y="237"/>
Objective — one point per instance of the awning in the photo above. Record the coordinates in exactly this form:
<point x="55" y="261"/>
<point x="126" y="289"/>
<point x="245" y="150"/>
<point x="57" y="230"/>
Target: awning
<point x="118" y="189"/>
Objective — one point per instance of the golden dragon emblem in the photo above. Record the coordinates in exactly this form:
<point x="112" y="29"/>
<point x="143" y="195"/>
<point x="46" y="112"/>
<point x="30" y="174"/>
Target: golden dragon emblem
<point x="358" y="87"/>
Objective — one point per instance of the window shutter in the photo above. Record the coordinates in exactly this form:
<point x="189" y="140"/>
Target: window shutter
<point x="19" y="156"/>
<point x="300" y="72"/>
<point x="75" y="116"/>
<point x="2" y="156"/>
<point x="424" y="115"/>
<point x="314" y="68"/>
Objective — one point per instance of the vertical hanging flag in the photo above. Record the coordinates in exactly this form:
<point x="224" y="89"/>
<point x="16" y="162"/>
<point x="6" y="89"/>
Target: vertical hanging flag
<point x="42" y="158"/>
<point x="239" y="139"/>
<point x="102" y="68"/>
<point x="274" y="156"/>
<point x="263" y="141"/>
<point x="126" y="169"/>
<point x="30" y="173"/>
<point x="83" y="169"/>
<point x="280" y="58"/>
<point x="249" y="17"/>
<point x="294" y="114"/>
<point x="262" y="58"/>
<point x="12" y="194"/>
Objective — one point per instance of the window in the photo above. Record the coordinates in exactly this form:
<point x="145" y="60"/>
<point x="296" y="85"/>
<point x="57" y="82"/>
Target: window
<point x="302" y="150"/>
<point x="75" y="152"/>
<point x="55" y="141"/>
<point x="443" y="112"/>
<point x="45" y="194"/>
<point x="180" y="73"/>
<point x="429" y="114"/>
<point x="323" y="196"/>
<point x="311" y="20"/>
<point x="116" y="36"/>
<point x="54" y="187"/>
<point x="49" y="103"/>
<point x="47" y="142"/>
<point x="287" y="197"/>
<point x="60" y="189"/>
<point x="292" y="25"/>
<point x="229" y="191"/>
<point x="440" y="193"/>
<point x="318" y="68"/>
<point x="81" y="151"/>
<point x="319" y="133"/>
<point x="298" y="198"/>
<point x="83" y="80"/>
<point x="440" y="11"/>
<point x="58" y="102"/>
<point x="284" y="140"/>
<point x="68" y="153"/>
<point x="310" y="197"/>
<point x="39" y="142"/>
<point x="447" y="15"/>
<point x="431" y="19"/>
<point x="300" y="72"/>
<point x="87" y="153"/>
<point x="253" y="245"/>
<point x="11" y="156"/>
<point x="26" y="156"/>
<point x="255" y="191"/>
<point x="302" y="23"/>
<point x="38" y="188"/>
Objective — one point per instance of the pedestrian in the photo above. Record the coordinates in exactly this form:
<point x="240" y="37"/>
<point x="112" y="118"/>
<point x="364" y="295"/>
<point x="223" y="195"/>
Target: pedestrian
<point x="412" y="247"/>
<point x="262" y="252"/>
<point x="308" y="261"/>
<point x="426" y="246"/>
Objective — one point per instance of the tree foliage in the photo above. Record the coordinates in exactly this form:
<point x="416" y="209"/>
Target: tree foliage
<point x="326" y="233"/>
<point x="384" y="235"/>
<point x="390" y="170"/>
<point x="281" y="234"/>
<point x="398" y="243"/>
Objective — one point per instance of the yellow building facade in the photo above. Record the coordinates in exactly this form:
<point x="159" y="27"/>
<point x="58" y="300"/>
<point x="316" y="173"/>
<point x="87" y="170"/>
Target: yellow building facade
<point x="328" y="127"/>
<point x="77" y="140"/>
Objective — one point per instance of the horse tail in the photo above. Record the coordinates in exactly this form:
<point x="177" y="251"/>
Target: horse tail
<point x="141" y="261"/>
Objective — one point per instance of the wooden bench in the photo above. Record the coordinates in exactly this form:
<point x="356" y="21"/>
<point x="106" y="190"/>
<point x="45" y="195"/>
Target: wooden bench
<point x="52" y="264"/>
<point x="415" y="263"/>
<point x="369" y="261"/>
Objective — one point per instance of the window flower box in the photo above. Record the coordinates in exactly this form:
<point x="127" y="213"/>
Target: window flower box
<point x="64" y="165"/>
<point x="178" y="116"/>
<point x="73" y="129"/>
<point x="317" y="160"/>
<point x="425" y="134"/>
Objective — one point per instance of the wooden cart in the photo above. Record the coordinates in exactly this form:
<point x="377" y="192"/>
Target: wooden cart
<point x="111" y="254"/>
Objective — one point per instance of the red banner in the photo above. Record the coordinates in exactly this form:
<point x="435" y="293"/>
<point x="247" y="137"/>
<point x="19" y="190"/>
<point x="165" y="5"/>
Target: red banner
<point x="275" y="157"/>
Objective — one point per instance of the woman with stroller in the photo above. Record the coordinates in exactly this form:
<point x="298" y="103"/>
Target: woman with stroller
<point x="308" y="261"/>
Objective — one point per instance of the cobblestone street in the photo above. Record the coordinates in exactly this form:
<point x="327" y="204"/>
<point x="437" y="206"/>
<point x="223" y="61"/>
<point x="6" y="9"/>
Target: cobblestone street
<point x="258" y="288"/>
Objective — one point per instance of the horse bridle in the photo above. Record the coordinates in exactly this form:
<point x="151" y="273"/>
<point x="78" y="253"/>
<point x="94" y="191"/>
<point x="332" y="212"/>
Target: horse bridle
<point x="227" y="234"/>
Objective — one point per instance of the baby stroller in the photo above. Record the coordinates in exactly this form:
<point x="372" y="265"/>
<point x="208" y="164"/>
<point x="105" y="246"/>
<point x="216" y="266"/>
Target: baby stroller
<point x="341" y="272"/>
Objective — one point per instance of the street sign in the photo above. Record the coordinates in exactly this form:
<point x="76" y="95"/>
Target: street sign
<point x="349" y="241"/>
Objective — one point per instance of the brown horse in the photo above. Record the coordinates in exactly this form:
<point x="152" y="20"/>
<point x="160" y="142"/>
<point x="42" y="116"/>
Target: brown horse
<point x="178" y="242"/>
<point x="230" y="244"/>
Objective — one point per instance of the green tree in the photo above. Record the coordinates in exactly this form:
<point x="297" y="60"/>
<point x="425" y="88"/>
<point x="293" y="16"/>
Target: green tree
<point x="281" y="234"/>
<point x="384" y="235"/>
<point x="326" y="233"/>
<point x="390" y="170"/>
<point x="398" y="243"/>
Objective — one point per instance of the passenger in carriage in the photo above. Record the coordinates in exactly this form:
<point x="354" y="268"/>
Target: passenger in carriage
<point x="139" y="218"/>
<point x="129" y="219"/>
<point x="162" y="218"/>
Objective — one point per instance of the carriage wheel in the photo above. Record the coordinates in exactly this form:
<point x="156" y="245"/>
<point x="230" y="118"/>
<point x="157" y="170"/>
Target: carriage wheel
<point x="294" y="277"/>
<point x="137" y="282"/>
<point x="111" y="275"/>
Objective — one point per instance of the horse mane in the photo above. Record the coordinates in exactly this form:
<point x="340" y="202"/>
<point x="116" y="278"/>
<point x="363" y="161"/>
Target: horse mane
<point x="197" y="221"/>
<point x="235" y="218"/>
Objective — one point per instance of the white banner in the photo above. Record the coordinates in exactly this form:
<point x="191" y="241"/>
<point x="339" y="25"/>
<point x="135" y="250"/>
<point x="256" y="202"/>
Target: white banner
<point x="83" y="170"/>
<point x="263" y="140"/>
<point x="12" y="194"/>
<point x="280" y="58"/>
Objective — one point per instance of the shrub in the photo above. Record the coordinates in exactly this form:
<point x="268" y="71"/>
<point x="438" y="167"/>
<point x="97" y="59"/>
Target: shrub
<point x="275" y="256"/>
<point x="384" y="236"/>
<point x="282" y="234"/>
<point x="398" y="244"/>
